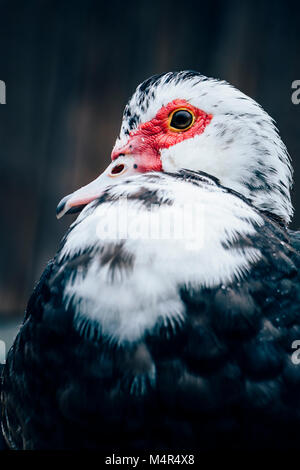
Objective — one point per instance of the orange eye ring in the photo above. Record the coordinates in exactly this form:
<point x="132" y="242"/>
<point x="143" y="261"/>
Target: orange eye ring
<point x="189" y="117"/>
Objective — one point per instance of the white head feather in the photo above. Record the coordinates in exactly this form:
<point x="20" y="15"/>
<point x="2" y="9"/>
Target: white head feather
<point x="241" y="145"/>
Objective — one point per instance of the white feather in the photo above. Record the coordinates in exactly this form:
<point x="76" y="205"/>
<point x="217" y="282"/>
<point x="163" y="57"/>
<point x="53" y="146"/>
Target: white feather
<point x="240" y="141"/>
<point x="127" y="305"/>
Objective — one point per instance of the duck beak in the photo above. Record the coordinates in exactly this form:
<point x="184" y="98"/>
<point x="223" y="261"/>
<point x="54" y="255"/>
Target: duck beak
<point x="75" y="202"/>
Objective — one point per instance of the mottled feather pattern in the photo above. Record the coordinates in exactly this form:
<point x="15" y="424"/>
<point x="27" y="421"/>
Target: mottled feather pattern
<point x="222" y="377"/>
<point x="146" y="274"/>
<point x="241" y="146"/>
<point x="170" y="343"/>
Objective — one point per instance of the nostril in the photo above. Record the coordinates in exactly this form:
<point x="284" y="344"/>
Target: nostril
<point x="121" y="155"/>
<point x="116" y="170"/>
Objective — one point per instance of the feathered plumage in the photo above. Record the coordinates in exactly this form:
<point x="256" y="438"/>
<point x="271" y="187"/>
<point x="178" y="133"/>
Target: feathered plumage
<point x="178" y="336"/>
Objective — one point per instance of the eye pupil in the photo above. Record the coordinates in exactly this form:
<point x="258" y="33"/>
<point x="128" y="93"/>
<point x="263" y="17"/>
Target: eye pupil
<point x="181" y="119"/>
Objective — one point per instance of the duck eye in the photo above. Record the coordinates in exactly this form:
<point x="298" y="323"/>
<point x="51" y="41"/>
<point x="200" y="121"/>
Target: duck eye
<point x="181" y="120"/>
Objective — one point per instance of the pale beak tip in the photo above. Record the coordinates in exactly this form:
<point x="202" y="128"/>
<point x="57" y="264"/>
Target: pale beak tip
<point x="62" y="208"/>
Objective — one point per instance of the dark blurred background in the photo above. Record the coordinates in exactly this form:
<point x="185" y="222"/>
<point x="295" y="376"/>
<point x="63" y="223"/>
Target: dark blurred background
<point x="69" y="68"/>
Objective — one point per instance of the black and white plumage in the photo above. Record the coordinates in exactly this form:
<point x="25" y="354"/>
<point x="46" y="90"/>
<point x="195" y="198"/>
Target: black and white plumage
<point x="175" y="342"/>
